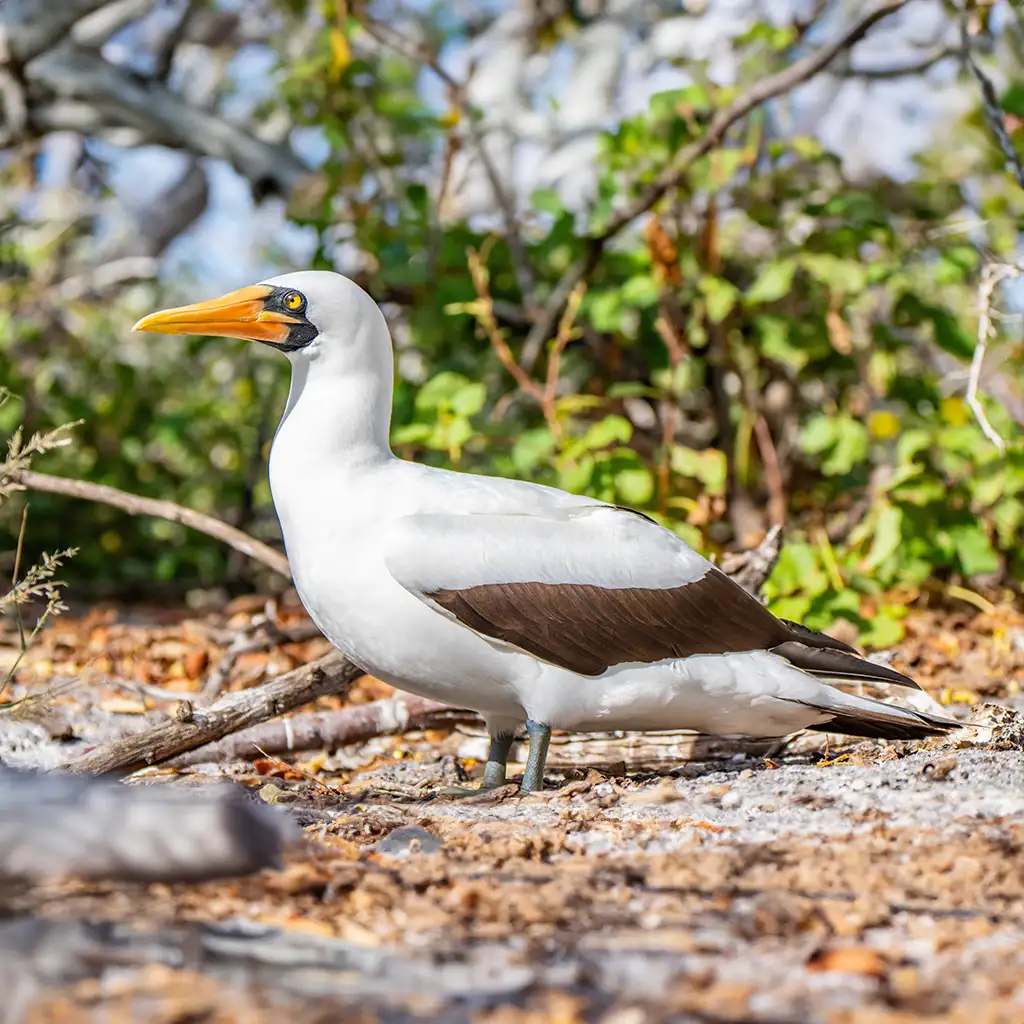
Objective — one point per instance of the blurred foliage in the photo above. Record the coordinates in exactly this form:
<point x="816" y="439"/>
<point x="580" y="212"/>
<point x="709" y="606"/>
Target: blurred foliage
<point x="773" y="332"/>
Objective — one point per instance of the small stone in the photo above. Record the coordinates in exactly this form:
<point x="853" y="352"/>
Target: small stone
<point x="406" y="840"/>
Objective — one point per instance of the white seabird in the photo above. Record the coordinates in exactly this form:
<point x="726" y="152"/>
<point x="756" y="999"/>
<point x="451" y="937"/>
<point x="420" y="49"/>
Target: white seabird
<point x="519" y="601"/>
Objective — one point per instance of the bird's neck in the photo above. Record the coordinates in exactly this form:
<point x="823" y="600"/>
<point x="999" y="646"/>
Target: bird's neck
<point x="332" y="421"/>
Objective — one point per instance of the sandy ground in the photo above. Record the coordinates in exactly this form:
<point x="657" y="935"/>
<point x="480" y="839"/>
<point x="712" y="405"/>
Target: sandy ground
<point x="880" y="882"/>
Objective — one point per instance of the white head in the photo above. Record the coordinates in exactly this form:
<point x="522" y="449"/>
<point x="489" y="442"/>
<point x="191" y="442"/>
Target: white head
<point x="314" y="314"/>
<point x="334" y="334"/>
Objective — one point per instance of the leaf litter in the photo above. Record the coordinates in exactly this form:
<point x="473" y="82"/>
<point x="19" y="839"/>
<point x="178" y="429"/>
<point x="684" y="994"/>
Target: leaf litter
<point x="874" y="882"/>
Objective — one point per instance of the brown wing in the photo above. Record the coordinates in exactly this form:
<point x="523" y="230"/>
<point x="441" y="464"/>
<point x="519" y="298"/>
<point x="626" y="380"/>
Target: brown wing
<point x="588" y="629"/>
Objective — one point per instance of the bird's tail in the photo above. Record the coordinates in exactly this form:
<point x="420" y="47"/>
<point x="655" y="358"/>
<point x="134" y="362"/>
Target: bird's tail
<point x="852" y="715"/>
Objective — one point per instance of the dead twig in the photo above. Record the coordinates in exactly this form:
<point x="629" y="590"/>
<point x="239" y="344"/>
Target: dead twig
<point x="772" y="471"/>
<point x="761" y="92"/>
<point x="136" y="505"/>
<point x="327" y="730"/>
<point x="546" y="394"/>
<point x="992" y="275"/>
<point x="331" y="675"/>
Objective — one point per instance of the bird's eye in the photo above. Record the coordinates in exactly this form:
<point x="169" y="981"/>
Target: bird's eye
<point x="293" y="301"/>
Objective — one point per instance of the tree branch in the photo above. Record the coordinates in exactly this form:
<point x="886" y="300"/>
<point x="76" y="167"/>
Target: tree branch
<point x="766" y="89"/>
<point x="117" y="97"/>
<point x="331" y="675"/>
<point x="135" y="505"/>
<point x="915" y="67"/>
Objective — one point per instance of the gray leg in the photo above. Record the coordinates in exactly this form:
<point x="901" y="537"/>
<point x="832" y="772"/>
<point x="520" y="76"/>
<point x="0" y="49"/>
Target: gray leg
<point x="540" y="737"/>
<point x="494" y="771"/>
<point x="497" y="760"/>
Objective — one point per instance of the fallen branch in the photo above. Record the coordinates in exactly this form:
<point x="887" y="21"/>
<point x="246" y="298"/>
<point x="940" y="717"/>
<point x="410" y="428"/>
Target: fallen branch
<point x="55" y="826"/>
<point x="331" y="675"/>
<point x="764" y="90"/>
<point x="135" y="505"/>
<point x="327" y="730"/>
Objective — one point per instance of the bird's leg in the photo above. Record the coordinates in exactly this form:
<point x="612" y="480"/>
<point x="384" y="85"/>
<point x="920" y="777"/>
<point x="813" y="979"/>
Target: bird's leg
<point x="540" y="737"/>
<point x="497" y="760"/>
<point x="494" y="771"/>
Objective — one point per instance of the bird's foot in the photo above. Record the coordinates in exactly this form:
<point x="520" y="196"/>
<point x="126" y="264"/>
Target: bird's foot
<point x="494" y="772"/>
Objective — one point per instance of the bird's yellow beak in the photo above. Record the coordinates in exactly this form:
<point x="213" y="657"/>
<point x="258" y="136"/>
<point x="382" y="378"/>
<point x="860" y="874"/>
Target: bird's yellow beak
<point x="241" y="314"/>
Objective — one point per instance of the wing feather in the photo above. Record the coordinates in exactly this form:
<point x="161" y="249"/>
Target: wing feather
<point x="592" y="587"/>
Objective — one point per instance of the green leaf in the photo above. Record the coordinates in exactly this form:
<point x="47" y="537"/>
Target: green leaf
<point x="641" y="291"/>
<point x="774" y="281"/>
<point x="1013" y="99"/>
<point x="950" y="335"/>
<point x="469" y="399"/>
<point x="635" y="485"/>
<point x="547" y="200"/>
<point x="608" y="431"/>
<point x="845" y="276"/>
<point x="605" y="310"/>
<point x="886" y="540"/>
<point x="721" y="297"/>
<point x="532" y="447"/>
<point x="818" y="435"/>
<point x="973" y="548"/>
<point x="438" y="392"/>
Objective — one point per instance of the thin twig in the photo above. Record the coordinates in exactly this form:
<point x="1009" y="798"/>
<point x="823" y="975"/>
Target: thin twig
<point x="990" y="105"/>
<point x="136" y="505"/>
<point x="565" y="334"/>
<point x="761" y="92"/>
<point x="991" y="276"/>
<point x="389" y="37"/>
<point x="772" y="471"/>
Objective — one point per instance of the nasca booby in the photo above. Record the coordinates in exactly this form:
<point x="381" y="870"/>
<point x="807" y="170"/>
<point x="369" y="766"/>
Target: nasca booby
<point x="520" y="601"/>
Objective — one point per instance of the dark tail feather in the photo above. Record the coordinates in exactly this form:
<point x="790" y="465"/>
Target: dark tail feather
<point x="892" y="723"/>
<point x="838" y="663"/>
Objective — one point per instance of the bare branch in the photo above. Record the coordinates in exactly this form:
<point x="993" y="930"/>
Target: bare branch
<point x="169" y="44"/>
<point x="331" y="675"/>
<point x="135" y="505"/>
<point x="991" y="276"/>
<point x="115" y="97"/>
<point x="907" y="70"/>
<point x="94" y="29"/>
<point x="766" y="89"/>
<point x="32" y="26"/>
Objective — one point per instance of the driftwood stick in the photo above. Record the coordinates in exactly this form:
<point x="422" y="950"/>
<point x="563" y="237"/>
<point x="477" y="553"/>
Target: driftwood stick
<point x="136" y="505"/>
<point x="332" y="674"/>
<point x="56" y="826"/>
<point x="329" y="729"/>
